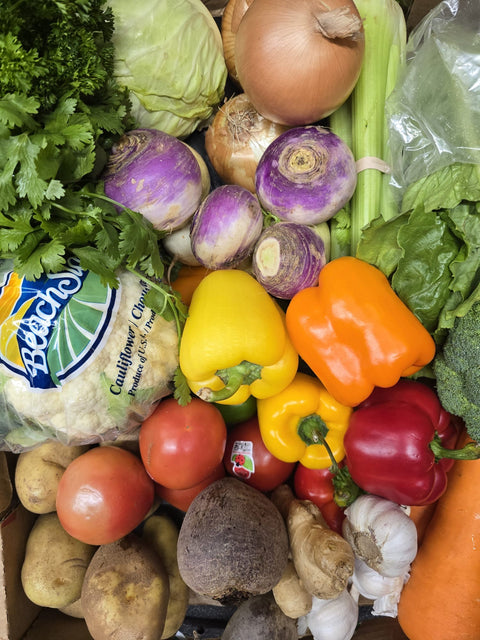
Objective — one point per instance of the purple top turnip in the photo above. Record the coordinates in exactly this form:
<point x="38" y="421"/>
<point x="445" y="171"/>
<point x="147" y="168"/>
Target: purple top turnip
<point x="306" y="175"/>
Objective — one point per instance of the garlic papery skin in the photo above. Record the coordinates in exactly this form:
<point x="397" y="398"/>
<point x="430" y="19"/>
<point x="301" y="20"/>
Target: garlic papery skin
<point x="381" y="534"/>
<point x="334" y="619"/>
<point x="385" y="592"/>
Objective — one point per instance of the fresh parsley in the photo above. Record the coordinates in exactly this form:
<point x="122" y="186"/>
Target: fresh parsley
<point x="61" y="111"/>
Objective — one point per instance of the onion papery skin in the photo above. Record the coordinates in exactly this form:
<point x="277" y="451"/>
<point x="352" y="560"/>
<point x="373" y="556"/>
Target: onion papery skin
<point x="232" y="14"/>
<point x="236" y="140"/>
<point x="306" y="175"/>
<point x="226" y="227"/>
<point x="289" y="69"/>
<point x="156" y="174"/>
<point x="288" y="257"/>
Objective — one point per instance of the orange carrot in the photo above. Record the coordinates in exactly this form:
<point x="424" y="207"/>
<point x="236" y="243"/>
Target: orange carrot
<point x="441" y="600"/>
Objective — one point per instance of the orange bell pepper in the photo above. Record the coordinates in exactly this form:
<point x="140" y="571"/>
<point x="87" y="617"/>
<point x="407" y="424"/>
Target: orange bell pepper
<point x="354" y="332"/>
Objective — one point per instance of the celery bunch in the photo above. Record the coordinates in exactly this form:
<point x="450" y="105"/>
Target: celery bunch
<point x="361" y="121"/>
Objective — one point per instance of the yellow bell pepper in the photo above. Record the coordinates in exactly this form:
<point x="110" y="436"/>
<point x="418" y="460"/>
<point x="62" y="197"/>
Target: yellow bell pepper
<point x="235" y="343"/>
<point x="297" y="422"/>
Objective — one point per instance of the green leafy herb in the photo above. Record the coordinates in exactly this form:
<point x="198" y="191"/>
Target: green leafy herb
<point x="60" y="112"/>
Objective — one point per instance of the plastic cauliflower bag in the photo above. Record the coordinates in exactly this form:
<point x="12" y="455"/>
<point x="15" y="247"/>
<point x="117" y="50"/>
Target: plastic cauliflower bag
<point x="80" y="362"/>
<point x="169" y="54"/>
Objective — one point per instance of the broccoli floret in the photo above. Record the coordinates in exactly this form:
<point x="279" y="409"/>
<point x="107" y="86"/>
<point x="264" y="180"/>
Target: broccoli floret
<point x="457" y="370"/>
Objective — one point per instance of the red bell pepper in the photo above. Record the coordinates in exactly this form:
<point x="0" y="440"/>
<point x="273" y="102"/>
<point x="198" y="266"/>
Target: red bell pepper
<point x="316" y="485"/>
<point x="400" y="444"/>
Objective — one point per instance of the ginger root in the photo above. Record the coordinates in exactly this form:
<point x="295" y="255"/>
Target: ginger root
<point x="323" y="559"/>
<point x="290" y="594"/>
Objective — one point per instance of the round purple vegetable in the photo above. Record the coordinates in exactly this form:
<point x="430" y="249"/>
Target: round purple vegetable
<point x="305" y="175"/>
<point x="156" y="174"/>
<point x="288" y="257"/>
<point x="225" y="227"/>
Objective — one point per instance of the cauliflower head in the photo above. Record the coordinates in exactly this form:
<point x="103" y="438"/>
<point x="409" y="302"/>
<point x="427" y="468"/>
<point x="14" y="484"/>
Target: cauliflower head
<point x="79" y="362"/>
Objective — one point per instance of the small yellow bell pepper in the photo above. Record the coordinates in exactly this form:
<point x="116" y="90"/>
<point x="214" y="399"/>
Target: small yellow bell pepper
<point x="235" y="343"/>
<point x="297" y="422"/>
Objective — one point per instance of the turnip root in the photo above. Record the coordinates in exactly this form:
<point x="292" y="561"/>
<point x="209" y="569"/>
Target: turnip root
<point x="323" y="559"/>
<point x="290" y="594"/>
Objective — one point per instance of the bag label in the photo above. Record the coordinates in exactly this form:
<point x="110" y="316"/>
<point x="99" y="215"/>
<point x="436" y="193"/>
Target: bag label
<point x="51" y="327"/>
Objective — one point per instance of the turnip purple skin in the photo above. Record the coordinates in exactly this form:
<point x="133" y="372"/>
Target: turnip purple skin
<point x="306" y="175"/>
<point x="156" y="174"/>
<point x="288" y="257"/>
<point x="225" y="227"/>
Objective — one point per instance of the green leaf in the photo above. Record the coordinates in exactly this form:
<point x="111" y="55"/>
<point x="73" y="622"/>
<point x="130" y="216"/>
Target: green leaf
<point x="28" y="183"/>
<point x="423" y="274"/>
<point x="92" y="259"/>
<point x="445" y="188"/>
<point x="378" y="243"/>
<point x="36" y="257"/>
<point x="182" y="390"/>
<point x="13" y="229"/>
<point x="16" y="110"/>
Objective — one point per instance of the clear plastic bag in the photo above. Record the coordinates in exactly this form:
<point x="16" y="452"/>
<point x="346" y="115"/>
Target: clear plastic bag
<point x="434" y="111"/>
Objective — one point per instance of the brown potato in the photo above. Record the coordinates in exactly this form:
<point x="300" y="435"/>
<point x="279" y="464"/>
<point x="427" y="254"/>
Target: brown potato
<point x="55" y="563"/>
<point x="38" y="472"/>
<point x="125" y="591"/>
<point x="74" y="610"/>
<point x="161" y="534"/>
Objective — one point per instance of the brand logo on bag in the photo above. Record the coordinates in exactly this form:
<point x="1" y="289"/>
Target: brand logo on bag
<point x="50" y="327"/>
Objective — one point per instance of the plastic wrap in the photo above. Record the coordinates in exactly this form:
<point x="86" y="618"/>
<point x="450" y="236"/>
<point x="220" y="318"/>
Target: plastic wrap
<point x="434" y="111"/>
<point x="80" y="362"/>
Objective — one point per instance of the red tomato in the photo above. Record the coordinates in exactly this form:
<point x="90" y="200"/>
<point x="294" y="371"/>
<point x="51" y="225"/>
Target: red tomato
<point x="182" y="498"/>
<point x="248" y="459"/>
<point x="103" y="495"/>
<point x="316" y="485"/>
<point x="182" y="445"/>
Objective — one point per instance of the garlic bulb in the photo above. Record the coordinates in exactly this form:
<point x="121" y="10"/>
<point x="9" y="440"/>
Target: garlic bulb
<point x="334" y="619"/>
<point x="381" y="534"/>
<point x="385" y="592"/>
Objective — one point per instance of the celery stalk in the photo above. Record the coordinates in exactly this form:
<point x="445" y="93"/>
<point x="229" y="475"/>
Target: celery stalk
<point x="385" y="42"/>
<point x="340" y="123"/>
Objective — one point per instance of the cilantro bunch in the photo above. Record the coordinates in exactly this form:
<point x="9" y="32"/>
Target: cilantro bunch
<point x="61" y="111"/>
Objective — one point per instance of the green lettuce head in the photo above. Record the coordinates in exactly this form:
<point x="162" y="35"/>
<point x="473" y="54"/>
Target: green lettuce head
<point x="169" y="54"/>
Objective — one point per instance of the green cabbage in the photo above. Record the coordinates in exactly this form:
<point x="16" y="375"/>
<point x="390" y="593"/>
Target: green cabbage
<point x="169" y="55"/>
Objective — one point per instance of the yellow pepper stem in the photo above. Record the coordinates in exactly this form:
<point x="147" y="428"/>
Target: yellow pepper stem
<point x="312" y="429"/>
<point x="233" y="378"/>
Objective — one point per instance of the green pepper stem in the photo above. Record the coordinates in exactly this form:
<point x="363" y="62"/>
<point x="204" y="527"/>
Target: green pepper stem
<point x="346" y="490"/>
<point x="470" y="451"/>
<point x="234" y="377"/>
<point x="312" y="429"/>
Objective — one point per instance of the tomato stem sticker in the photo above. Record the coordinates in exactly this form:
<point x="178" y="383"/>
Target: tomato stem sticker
<point x="243" y="464"/>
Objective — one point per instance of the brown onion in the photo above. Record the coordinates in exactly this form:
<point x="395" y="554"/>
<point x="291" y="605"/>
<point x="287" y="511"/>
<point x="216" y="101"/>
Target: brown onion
<point x="231" y="17"/>
<point x="298" y="61"/>
<point x="236" y="139"/>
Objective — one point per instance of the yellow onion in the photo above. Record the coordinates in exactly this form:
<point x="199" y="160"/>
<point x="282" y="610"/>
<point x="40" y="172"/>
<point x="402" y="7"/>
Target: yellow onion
<point x="236" y="139"/>
<point x="231" y="17"/>
<point x="299" y="61"/>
